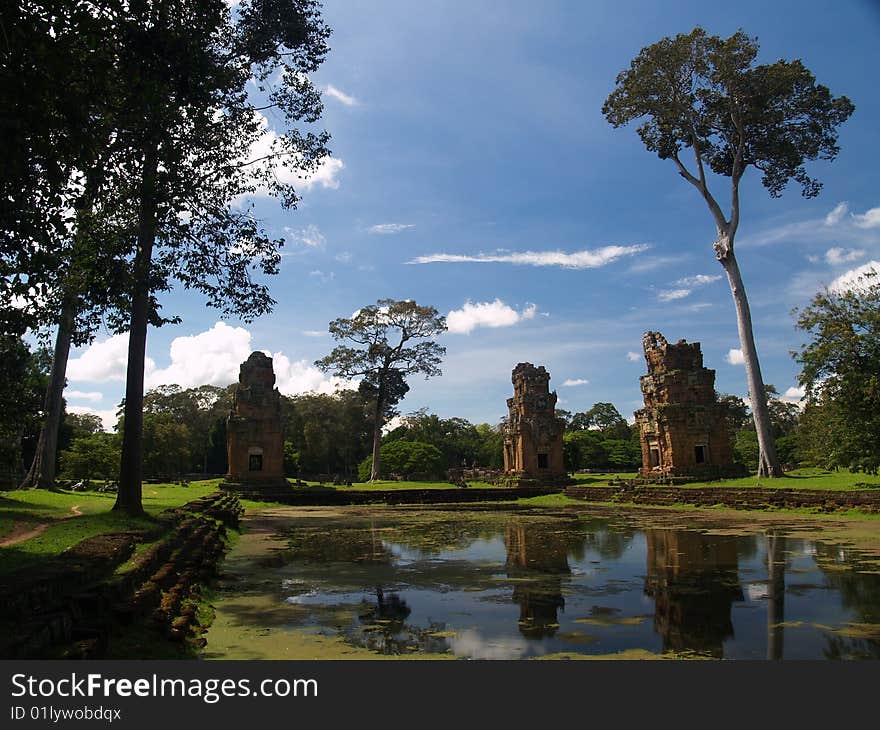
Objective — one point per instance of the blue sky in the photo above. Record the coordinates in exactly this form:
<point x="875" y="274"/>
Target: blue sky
<point x="474" y="130"/>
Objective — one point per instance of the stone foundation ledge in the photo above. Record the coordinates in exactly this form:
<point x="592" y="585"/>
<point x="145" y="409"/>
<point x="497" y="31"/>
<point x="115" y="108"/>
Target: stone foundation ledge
<point x="734" y="497"/>
<point x="70" y="606"/>
<point x="315" y="496"/>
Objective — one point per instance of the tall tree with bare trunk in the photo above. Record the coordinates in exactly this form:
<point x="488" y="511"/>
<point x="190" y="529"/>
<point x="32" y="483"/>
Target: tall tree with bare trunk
<point x="704" y="96"/>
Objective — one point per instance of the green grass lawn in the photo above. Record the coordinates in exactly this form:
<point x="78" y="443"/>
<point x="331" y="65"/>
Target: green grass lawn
<point x="802" y="479"/>
<point x="30" y="508"/>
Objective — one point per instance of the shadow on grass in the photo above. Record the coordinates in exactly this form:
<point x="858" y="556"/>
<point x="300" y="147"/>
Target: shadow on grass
<point x="32" y="554"/>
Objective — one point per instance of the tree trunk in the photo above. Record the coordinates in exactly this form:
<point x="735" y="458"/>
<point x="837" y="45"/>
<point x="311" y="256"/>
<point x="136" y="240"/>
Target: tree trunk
<point x="768" y="462"/>
<point x="129" y="497"/>
<point x="377" y="442"/>
<point x="42" y="471"/>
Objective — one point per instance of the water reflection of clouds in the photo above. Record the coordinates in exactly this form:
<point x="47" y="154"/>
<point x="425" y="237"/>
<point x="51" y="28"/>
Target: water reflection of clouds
<point x="472" y="644"/>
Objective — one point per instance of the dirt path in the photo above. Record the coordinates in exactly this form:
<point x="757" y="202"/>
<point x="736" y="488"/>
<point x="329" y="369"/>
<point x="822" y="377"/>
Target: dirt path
<point x="21" y="532"/>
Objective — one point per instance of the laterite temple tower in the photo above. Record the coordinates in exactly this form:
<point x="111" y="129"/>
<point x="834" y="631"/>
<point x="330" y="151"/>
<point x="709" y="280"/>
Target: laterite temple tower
<point x="533" y="433"/>
<point x="253" y="428"/>
<point x="682" y="427"/>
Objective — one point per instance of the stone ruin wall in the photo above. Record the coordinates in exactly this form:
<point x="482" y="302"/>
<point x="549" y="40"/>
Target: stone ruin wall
<point x="533" y="433"/>
<point x="253" y="426"/>
<point x="683" y="430"/>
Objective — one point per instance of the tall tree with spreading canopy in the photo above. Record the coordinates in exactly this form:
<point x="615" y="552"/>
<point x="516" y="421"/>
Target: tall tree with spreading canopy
<point x="389" y="341"/>
<point x="193" y="144"/>
<point x="705" y="96"/>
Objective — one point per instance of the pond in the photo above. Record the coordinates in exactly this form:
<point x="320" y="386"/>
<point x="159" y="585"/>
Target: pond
<point x="510" y="583"/>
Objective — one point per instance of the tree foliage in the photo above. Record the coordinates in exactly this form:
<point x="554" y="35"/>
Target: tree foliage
<point x="841" y="375"/>
<point x="388" y="341"/>
<point x="408" y="460"/>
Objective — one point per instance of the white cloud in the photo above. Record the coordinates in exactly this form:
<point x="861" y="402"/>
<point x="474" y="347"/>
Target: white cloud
<point x="300" y="376"/>
<point x="322" y="276"/>
<point x="670" y="295"/>
<point x="571" y="383"/>
<point x="390" y="228"/>
<point x="108" y="417"/>
<point x="486" y="314"/>
<point x="837" y="255"/>
<point x="836" y="215"/>
<point x="104" y="361"/>
<point x="793" y="395"/>
<point x="91" y="396"/>
<point x="686" y="285"/>
<point x="340" y="96"/>
<point x="212" y="357"/>
<point x="587" y="259"/>
<point x="309" y="236"/>
<point x="698" y="280"/>
<point x="857" y="279"/>
<point x="288" y="169"/>
<point x="326" y="176"/>
<point x="834" y="227"/>
<point x="868" y="219"/>
<point x="314" y="333"/>
<point x="345" y="257"/>
<point x="735" y="357"/>
<point x="208" y="358"/>
<point x="633" y="356"/>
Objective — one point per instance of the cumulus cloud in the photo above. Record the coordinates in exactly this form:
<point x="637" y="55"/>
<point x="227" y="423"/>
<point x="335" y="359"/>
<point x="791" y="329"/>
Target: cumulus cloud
<point x="735" y="357"/>
<point x="91" y="396"/>
<point x="836" y="215"/>
<point x="293" y="377"/>
<point x="289" y="169"/>
<point x="208" y="358"/>
<point x="633" y="356"/>
<point x="340" y="96"/>
<point x="486" y="314"/>
<point x="793" y="395"/>
<point x="587" y="259"/>
<point x="104" y="361"/>
<point x="573" y="382"/>
<point x="868" y="219"/>
<point x="837" y="255"/>
<point x="390" y="228"/>
<point x="857" y="279"/>
<point x="212" y="357"/>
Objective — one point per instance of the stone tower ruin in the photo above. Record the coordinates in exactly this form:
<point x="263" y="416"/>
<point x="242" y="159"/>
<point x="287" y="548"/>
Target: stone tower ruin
<point x="682" y="427"/>
<point x="253" y="427"/>
<point x="533" y="433"/>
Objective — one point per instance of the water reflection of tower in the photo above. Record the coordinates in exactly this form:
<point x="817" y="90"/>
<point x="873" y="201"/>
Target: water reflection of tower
<point x="775" y="595"/>
<point x="694" y="580"/>
<point x="539" y="555"/>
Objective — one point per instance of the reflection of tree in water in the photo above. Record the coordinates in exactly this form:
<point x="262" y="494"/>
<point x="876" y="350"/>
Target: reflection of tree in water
<point x="859" y="592"/>
<point x="694" y="580"/>
<point x="383" y="628"/>
<point x="538" y="552"/>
